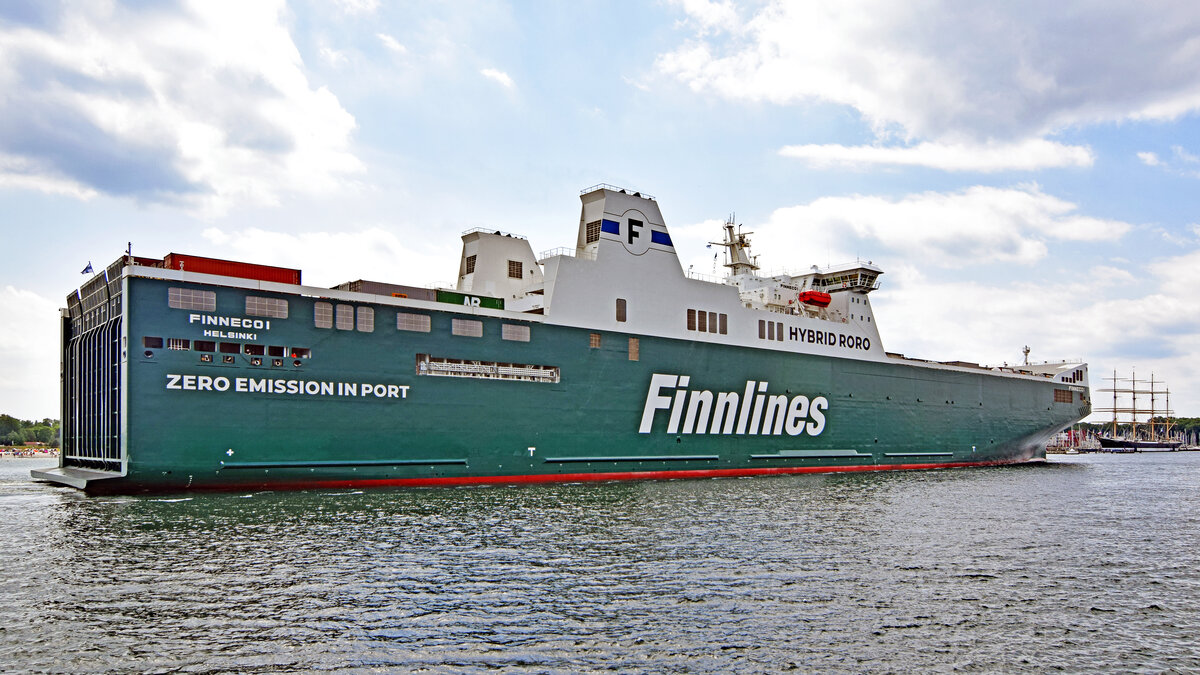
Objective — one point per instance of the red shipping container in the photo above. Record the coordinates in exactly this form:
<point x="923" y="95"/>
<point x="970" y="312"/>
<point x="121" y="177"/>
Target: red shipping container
<point x="229" y="268"/>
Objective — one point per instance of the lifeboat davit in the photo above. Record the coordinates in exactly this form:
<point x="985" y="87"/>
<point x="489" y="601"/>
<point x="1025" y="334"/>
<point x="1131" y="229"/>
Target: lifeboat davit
<point x="815" y="298"/>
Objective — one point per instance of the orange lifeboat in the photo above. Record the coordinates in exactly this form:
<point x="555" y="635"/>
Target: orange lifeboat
<point x="815" y="298"/>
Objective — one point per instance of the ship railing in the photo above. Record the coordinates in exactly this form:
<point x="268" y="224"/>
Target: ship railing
<point x="568" y="252"/>
<point x="614" y="188"/>
<point x="508" y="371"/>
<point x="488" y="230"/>
<point x="711" y="278"/>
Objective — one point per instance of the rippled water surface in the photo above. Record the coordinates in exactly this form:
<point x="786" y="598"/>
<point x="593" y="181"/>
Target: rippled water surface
<point x="1088" y="563"/>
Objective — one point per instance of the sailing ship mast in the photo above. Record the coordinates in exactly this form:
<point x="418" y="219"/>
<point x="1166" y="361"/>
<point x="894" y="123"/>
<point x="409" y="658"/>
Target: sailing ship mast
<point x="1134" y="412"/>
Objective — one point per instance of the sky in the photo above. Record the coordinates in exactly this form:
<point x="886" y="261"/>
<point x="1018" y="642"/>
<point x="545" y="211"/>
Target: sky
<point x="1026" y="173"/>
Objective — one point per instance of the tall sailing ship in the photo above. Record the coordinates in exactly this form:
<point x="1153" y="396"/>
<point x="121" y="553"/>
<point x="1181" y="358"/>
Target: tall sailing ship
<point x="1151" y="434"/>
<point x="601" y="361"/>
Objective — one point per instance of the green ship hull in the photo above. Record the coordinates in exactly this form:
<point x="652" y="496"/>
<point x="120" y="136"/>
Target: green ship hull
<point x="602" y="362"/>
<point x="183" y="423"/>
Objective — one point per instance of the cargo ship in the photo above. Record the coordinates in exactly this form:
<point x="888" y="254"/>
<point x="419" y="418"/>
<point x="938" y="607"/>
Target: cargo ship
<point x="605" y="360"/>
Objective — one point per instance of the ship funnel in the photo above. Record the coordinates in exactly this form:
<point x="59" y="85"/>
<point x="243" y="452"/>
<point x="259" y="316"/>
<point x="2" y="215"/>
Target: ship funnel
<point x="618" y="222"/>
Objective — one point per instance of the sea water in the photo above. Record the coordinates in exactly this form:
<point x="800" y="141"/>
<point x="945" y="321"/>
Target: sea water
<point x="1087" y="563"/>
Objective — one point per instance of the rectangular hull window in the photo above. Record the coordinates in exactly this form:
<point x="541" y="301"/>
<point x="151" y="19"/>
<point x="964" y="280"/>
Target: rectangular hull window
<point x="323" y="315"/>
<point x="344" y="318"/>
<point x="276" y="308"/>
<point x="418" y="323"/>
<point x="466" y="327"/>
<point x="366" y="319"/>
<point x="191" y="298"/>
<point x="515" y="332"/>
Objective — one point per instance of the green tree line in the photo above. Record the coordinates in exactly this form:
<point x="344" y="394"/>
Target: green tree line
<point x="18" y="432"/>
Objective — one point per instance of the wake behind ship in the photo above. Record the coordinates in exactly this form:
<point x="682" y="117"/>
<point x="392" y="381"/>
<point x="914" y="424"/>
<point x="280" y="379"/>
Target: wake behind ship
<point x="598" y="362"/>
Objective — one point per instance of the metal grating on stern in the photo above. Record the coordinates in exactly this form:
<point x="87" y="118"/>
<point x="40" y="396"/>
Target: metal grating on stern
<point x="91" y="377"/>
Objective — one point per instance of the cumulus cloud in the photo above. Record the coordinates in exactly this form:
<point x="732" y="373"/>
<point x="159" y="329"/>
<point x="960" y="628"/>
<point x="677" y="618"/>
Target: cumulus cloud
<point x="1025" y="155"/>
<point x="201" y="103"/>
<point x="29" y="380"/>
<point x="1080" y="315"/>
<point x="357" y="6"/>
<point x="1184" y="156"/>
<point x="953" y="71"/>
<point x="391" y="43"/>
<point x="1149" y="159"/>
<point x="498" y="76"/>
<point x="329" y="258"/>
<point x="973" y="226"/>
<point x="709" y="15"/>
<point x="928" y="308"/>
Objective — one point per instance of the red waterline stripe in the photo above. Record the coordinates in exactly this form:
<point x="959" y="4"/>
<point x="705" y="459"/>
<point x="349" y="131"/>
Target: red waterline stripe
<point x="593" y="477"/>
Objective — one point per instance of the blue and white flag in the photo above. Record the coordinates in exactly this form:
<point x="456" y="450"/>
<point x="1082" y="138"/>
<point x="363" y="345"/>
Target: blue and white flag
<point x="88" y="269"/>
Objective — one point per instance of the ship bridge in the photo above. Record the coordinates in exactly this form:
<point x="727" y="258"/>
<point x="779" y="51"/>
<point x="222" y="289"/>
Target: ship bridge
<point x="857" y="276"/>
